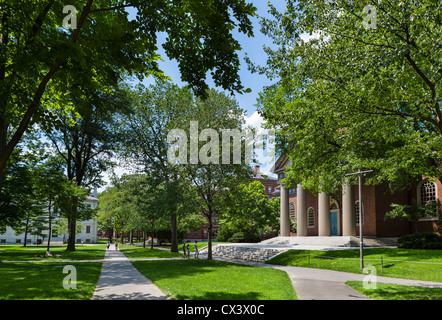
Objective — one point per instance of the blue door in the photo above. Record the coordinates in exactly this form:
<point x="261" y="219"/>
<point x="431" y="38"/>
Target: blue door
<point x="334" y="223"/>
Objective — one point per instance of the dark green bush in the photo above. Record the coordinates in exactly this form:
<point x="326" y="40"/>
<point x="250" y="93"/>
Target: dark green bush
<point x="423" y="240"/>
<point x="245" y="237"/>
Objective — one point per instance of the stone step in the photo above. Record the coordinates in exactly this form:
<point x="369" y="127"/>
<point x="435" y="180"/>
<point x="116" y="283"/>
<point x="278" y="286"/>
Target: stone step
<point x="250" y="252"/>
<point x="337" y="241"/>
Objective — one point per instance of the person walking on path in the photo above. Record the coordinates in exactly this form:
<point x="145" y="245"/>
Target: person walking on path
<point x="188" y="251"/>
<point x="116" y="245"/>
<point x="196" y="250"/>
<point x="184" y="250"/>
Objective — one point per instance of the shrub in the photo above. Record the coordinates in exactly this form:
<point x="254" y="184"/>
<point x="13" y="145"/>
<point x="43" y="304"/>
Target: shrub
<point x="224" y="233"/>
<point x="244" y="237"/>
<point x="423" y="240"/>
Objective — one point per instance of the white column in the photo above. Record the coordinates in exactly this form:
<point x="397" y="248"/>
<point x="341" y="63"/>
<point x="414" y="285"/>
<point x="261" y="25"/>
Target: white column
<point x="284" y="220"/>
<point x="348" y="210"/>
<point x="323" y="215"/>
<point x="301" y="212"/>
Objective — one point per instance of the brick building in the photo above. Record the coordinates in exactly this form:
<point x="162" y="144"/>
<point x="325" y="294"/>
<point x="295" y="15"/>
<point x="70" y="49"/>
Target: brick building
<point x="338" y="214"/>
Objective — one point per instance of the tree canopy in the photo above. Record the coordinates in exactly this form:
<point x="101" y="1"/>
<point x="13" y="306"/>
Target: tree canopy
<point x="47" y="52"/>
<point x="352" y="94"/>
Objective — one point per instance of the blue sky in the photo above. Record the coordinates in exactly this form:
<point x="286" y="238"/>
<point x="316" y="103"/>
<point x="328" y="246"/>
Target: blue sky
<point x="253" y="46"/>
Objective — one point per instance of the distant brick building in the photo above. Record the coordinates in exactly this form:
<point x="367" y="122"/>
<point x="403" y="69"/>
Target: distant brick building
<point x="270" y="185"/>
<point x="337" y="215"/>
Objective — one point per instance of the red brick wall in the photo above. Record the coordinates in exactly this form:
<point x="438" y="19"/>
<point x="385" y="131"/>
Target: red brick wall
<point x="390" y="227"/>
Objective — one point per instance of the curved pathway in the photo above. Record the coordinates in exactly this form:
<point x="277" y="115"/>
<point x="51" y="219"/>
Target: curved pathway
<point x="320" y="284"/>
<point x="120" y="280"/>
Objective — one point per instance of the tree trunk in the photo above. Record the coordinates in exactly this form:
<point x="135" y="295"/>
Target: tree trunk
<point x="174" y="233"/>
<point x="26" y="230"/>
<point x="209" y="237"/>
<point x="144" y="239"/>
<point x="152" y="235"/>
<point x="50" y="224"/>
<point x="72" y="226"/>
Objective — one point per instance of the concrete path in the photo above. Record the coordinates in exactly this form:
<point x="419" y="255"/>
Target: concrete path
<point x="120" y="280"/>
<point x="319" y="284"/>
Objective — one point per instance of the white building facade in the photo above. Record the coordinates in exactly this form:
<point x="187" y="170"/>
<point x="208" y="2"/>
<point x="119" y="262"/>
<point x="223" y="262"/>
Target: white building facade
<point x="88" y="234"/>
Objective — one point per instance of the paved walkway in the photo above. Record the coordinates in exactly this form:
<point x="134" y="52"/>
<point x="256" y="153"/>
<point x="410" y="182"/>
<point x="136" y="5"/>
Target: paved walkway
<point x="319" y="284"/>
<point x="120" y="280"/>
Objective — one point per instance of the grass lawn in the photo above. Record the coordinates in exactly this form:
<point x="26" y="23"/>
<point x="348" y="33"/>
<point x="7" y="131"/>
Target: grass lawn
<point x="386" y="291"/>
<point x="196" y="279"/>
<point x="44" y="281"/>
<point x="138" y="252"/>
<point x="43" y="278"/>
<point x="20" y="253"/>
<point x="397" y="263"/>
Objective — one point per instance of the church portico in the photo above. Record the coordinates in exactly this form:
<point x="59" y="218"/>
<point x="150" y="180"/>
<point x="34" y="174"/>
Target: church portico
<point x="337" y="215"/>
<point x="315" y="215"/>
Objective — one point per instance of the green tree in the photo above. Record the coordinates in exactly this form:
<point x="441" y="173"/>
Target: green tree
<point x="41" y="59"/>
<point x="164" y="109"/>
<point x="87" y="145"/>
<point x="413" y="212"/>
<point x="157" y="110"/>
<point x="18" y="199"/>
<point x="212" y="176"/>
<point x="247" y="209"/>
<point x="52" y="187"/>
<point x="356" y="95"/>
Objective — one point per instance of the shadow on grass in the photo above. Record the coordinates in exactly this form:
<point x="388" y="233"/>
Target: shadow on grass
<point x="195" y="279"/>
<point x="221" y="295"/>
<point x="20" y="253"/>
<point x="41" y="281"/>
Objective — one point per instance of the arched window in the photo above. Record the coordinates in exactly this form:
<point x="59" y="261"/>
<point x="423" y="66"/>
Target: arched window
<point x="311" y="217"/>
<point x="292" y="211"/>
<point x="427" y="193"/>
<point x="357" y="212"/>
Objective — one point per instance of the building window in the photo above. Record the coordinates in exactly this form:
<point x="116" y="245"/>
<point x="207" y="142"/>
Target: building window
<point x="357" y="212"/>
<point x="88" y="229"/>
<point x="17" y="240"/>
<point x="311" y="217"/>
<point x="292" y="211"/>
<point x="427" y="193"/>
<point x="270" y="190"/>
<point x="292" y="191"/>
<point x="281" y="176"/>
